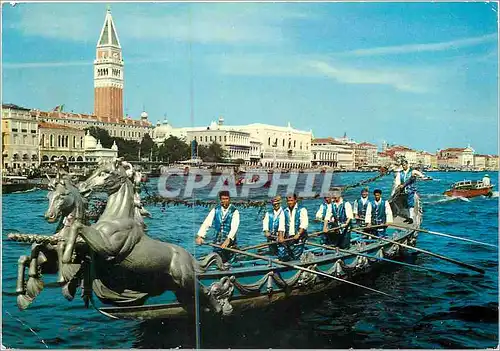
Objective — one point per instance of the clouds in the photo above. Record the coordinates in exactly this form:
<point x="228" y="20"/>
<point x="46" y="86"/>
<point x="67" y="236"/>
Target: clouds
<point x="206" y="23"/>
<point x="430" y="47"/>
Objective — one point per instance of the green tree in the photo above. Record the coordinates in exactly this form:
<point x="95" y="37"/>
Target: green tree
<point x="173" y="150"/>
<point x="128" y="149"/>
<point x="213" y="153"/>
<point x="147" y="145"/>
<point x="102" y="135"/>
<point x="239" y="161"/>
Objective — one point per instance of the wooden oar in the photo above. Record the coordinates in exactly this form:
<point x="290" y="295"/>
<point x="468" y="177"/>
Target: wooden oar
<point x="380" y="258"/>
<point x="441" y="234"/>
<point x="462" y="264"/>
<point x="258" y="246"/>
<point x="268" y="259"/>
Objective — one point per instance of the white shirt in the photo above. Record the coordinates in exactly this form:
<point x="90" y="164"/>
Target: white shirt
<point x="397" y="178"/>
<point x="280" y="214"/>
<point x="355" y="209"/>
<point x="303" y="221"/>
<point x="388" y="212"/>
<point x="207" y="223"/>
<point x="328" y="214"/>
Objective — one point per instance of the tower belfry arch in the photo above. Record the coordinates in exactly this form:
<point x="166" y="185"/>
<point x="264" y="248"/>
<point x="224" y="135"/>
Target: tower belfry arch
<point x="108" y="73"/>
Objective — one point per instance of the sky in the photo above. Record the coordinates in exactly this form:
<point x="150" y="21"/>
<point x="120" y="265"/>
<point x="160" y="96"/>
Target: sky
<point x="423" y="75"/>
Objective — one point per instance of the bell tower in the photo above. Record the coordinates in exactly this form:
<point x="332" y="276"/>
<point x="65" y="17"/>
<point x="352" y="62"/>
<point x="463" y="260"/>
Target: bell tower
<point x="108" y="73"/>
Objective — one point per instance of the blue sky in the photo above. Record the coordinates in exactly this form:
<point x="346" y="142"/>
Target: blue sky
<point x="419" y="74"/>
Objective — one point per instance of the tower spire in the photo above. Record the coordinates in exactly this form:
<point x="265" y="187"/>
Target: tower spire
<point x="108" y="72"/>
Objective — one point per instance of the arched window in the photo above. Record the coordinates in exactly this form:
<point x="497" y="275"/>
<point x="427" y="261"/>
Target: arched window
<point x="81" y="142"/>
<point x="51" y="140"/>
<point x="74" y="142"/>
<point x="283" y="142"/>
<point x="58" y="141"/>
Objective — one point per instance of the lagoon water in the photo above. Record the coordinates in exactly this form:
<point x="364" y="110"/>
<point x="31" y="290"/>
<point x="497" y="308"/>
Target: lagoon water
<point x="441" y="312"/>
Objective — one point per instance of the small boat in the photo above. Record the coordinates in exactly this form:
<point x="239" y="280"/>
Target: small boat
<point x="11" y="184"/>
<point x="469" y="189"/>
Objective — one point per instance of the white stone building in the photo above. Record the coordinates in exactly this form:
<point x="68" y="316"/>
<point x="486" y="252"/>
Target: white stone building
<point x="95" y="152"/>
<point x="19" y="138"/>
<point x="333" y="153"/>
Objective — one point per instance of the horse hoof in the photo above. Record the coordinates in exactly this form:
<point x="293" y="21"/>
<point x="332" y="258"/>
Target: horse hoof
<point x="33" y="287"/>
<point x="23" y="301"/>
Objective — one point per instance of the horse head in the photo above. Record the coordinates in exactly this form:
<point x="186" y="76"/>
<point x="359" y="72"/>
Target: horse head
<point x="64" y="198"/>
<point x="109" y="176"/>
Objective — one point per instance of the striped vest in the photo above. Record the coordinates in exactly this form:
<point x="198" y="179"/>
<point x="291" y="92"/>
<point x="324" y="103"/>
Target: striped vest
<point x="274" y="222"/>
<point x="296" y="222"/>
<point x="338" y="213"/>
<point x="378" y="212"/>
<point x="221" y="225"/>
<point x="411" y="187"/>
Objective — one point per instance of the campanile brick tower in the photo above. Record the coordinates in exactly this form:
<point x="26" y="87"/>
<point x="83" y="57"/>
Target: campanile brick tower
<point x="108" y="73"/>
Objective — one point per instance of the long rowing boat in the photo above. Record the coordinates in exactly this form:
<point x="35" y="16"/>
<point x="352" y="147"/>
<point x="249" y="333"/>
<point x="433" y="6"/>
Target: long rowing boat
<point x="249" y="284"/>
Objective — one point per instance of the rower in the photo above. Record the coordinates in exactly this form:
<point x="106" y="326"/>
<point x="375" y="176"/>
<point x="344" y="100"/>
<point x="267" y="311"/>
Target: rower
<point x="378" y="212"/>
<point x="341" y="216"/>
<point x="296" y="223"/>
<point x="325" y="209"/>
<point x="402" y="176"/>
<point x="486" y="180"/>
<point x="225" y="219"/>
<point x="274" y="223"/>
<point x="359" y="208"/>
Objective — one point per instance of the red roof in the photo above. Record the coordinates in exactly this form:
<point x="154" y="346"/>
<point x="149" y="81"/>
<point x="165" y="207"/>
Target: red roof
<point x="364" y="143"/>
<point x="454" y="149"/>
<point x="54" y="126"/>
<point x="63" y="115"/>
<point x="328" y="140"/>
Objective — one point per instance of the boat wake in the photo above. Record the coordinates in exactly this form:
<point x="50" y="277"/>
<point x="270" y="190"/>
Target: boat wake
<point x="444" y="199"/>
<point x="494" y="194"/>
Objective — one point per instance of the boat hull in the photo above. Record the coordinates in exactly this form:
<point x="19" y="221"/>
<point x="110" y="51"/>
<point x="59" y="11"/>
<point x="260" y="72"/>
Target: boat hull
<point x="262" y="284"/>
<point x="469" y="193"/>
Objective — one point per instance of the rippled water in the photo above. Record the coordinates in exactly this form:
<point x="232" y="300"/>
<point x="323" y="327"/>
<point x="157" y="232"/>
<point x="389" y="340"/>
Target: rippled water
<point x="440" y="312"/>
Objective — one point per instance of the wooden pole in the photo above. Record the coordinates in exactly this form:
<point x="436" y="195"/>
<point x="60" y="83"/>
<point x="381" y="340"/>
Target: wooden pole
<point x="441" y="234"/>
<point x="459" y="263"/>
<point x="380" y="258"/>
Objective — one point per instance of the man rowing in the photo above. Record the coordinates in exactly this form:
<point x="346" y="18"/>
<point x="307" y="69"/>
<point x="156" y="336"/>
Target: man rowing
<point x="225" y="219"/>
<point x="341" y="216"/>
<point x="359" y="208"/>
<point x="325" y="209"/>
<point x="296" y="223"/>
<point x="378" y="212"/>
<point x="273" y="224"/>
<point x="405" y="180"/>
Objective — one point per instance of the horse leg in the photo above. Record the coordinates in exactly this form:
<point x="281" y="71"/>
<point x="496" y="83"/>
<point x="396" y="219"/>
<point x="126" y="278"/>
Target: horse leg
<point x="70" y="242"/>
<point x="23" y="301"/>
<point x="22" y="263"/>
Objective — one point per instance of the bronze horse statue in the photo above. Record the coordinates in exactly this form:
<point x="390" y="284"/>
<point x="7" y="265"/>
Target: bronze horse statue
<point x="45" y="256"/>
<point x="129" y="266"/>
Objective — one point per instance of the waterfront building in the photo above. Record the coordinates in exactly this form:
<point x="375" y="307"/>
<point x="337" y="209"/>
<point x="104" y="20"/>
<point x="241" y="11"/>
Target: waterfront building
<point x="365" y="155"/>
<point x="398" y="151"/>
<point x="456" y="157"/>
<point x="384" y="159"/>
<point x="281" y="147"/>
<point x="333" y="153"/>
<point x="480" y="161"/>
<point x="257" y="144"/>
<point x="424" y="159"/>
<point x="19" y="138"/>
<point x="60" y="141"/>
<point x="492" y="162"/>
<point x="235" y="142"/>
<point x="95" y="152"/>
